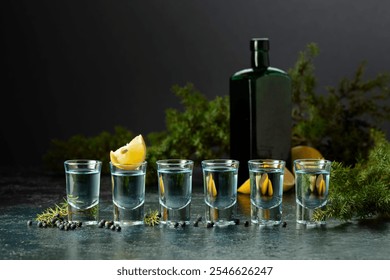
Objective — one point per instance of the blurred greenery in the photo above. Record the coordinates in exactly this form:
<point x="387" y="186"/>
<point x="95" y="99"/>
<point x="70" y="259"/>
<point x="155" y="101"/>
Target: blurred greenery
<point x="82" y="147"/>
<point x="336" y="122"/>
<point x="199" y="131"/>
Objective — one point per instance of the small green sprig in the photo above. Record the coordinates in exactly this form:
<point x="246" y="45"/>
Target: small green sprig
<point x="57" y="211"/>
<point x="152" y="218"/>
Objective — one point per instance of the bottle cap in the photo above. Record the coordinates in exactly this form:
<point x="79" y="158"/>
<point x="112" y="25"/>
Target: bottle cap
<point x="259" y="44"/>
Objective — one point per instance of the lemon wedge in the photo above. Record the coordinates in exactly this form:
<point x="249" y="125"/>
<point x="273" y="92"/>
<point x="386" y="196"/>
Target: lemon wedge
<point x="288" y="180"/>
<point x="131" y="155"/>
<point x="245" y="188"/>
<point x="302" y="152"/>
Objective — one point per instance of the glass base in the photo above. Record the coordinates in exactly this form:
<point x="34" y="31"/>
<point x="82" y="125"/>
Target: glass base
<point x="305" y="216"/>
<point x="173" y="216"/>
<point x="126" y="217"/>
<point x="220" y="217"/>
<point x="89" y="216"/>
<point x="266" y="217"/>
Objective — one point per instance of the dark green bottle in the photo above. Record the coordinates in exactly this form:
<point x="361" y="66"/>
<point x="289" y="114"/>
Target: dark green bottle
<point x="260" y="110"/>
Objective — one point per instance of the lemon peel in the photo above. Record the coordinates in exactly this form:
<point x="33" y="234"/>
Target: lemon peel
<point x="265" y="185"/>
<point x="262" y="183"/>
<point x="320" y="184"/>
<point x="161" y="184"/>
<point x="211" y="188"/>
<point x="270" y="189"/>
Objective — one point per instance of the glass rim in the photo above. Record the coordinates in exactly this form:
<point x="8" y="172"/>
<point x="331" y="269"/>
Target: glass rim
<point x="255" y="164"/>
<point x="131" y="164"/>
<point x="312" y="161"/>
<point x="312" y="164"/>
<point x="266" y="160"/>
<point x="215" y="162"/>
<point x="72" y="162"/>
<point x="174" y="161"/>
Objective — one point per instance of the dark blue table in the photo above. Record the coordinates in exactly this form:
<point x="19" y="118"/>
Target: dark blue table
<point x="22" y="197"/>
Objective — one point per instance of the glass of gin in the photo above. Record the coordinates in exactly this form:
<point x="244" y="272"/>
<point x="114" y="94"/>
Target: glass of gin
<point x="311" y="188"/>
<point x="128" y="192"/>
<point x="266" y="184"/>
<point x="220" y="190"/>
<point x="83" y="190"/>
<point x="175" y="190"/>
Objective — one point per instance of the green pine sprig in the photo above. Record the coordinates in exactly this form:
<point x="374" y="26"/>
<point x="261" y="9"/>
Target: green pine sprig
<point x="152" y="218"/>
<point x="362" y="191"/>
<point x="57" y="211"/>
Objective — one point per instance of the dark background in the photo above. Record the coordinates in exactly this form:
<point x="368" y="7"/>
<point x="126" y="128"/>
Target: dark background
<point x="81" y="67"/>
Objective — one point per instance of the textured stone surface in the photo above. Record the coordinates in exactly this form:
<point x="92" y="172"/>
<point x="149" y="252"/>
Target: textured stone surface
<point x="22" y="197"/>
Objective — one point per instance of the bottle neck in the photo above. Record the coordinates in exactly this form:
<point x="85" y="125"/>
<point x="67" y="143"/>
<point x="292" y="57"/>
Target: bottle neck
<point x="260" y="59"/>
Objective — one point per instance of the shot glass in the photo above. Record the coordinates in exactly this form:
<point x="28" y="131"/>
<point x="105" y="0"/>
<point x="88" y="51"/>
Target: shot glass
<point x="266" y="183"/>
<point x="128" y="193"/>
<point x="311" y="188"/>
<point x="175" y="190"/>
<point x="220" y="190"/>
<point x="83" y="190"/>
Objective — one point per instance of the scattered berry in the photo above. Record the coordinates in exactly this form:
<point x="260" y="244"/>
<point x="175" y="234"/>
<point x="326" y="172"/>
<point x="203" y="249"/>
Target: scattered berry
<point x="246" y="224"/>
<point x="284" y="224"/>
<point x="176" y="225"/>
<point x="196" y="224"/>
<point x="29" y="222"/>
<point x="210" y="224"/>
<point x="108" y="224"/>
<point x="237" y="221"/>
